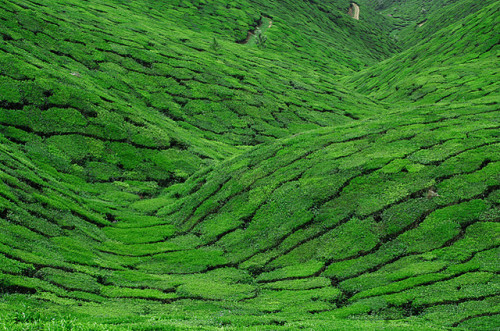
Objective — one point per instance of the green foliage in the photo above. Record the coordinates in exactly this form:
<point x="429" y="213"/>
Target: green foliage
<point x="140" y="235"/>
<point x="345" y="178"/>
<point x="260" y="38"/>
<point x="215" y="46"/>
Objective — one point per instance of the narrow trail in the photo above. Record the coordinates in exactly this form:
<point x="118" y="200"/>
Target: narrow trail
<point x="266" y="23"/>
<point x="354" y="11"/>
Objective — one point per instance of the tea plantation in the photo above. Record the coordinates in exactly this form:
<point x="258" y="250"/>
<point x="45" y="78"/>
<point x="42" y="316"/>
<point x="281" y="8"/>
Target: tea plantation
<point x="249" y="164"/>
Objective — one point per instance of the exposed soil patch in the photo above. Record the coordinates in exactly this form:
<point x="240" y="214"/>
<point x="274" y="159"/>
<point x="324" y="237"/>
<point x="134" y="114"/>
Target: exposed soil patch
<point x="354" y="11"/>
<point x="265" y="23"/>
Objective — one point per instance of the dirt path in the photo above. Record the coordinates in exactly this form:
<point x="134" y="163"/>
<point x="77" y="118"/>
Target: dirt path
<point x="354" y="11"/>
<point x="263" y="27"/>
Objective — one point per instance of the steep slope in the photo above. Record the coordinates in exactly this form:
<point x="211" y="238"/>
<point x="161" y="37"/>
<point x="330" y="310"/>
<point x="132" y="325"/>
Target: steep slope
<point x="156" y="173"/>
<point x="410" y="19"/>
<point x="439" y="16"/>
<point x="338" y="222"/>
<point x="456" y="64"/>
<point x="139" y="91"/>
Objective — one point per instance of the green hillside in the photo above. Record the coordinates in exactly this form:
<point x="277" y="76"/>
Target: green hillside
<point x="249" y="164"/>
<point x="458" y="63"/>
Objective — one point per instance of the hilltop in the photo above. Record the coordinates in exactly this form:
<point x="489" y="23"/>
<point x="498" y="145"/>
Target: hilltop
<point x="257" y="164"/>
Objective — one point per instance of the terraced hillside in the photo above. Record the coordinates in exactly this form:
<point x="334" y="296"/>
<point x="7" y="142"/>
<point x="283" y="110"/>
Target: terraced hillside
<point x="457" y="63"/>
<point x="159" y="172"/>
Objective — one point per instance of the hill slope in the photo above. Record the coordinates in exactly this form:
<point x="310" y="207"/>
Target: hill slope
<point x="455" y="64"/>
<point x="158" y="173"/>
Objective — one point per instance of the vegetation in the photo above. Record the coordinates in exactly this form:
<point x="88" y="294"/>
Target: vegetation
<point x="256" y="164"/>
